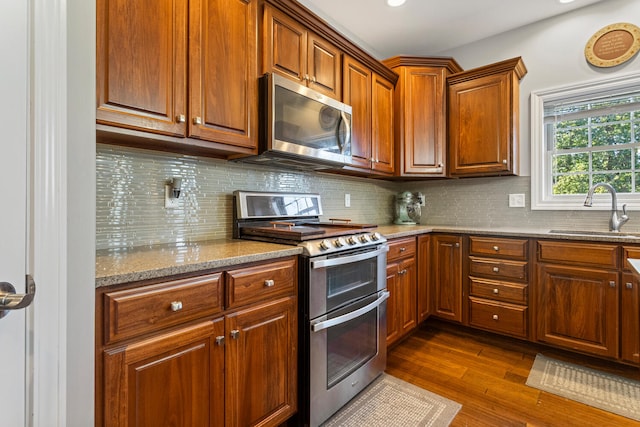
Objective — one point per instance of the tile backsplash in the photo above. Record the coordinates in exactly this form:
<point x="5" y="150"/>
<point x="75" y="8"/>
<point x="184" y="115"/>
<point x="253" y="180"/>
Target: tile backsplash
<point x="130" y="198"/>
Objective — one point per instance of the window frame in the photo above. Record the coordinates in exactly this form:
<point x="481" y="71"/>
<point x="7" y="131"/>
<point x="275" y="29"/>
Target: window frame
<point x="542" y="197"/>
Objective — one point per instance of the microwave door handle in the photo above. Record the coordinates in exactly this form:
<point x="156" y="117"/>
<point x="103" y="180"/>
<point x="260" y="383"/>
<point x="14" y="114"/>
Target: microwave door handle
<point x="382" y="297"/>
<point x="332" y="262"/>
<point x="347" y="138"/>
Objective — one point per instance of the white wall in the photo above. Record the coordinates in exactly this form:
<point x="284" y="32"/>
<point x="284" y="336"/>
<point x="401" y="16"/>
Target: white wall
<point x="553" y="52"/>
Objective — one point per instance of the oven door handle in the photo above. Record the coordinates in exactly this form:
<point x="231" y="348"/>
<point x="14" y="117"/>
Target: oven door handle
<point x="383" y="295"/>
<point x="332" y="262"/>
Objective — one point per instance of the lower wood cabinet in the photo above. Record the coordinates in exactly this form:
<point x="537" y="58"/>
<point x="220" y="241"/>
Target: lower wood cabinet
<point x="446" y="276"/>
<point x="401" y="283"/>
<point x="185" y="363"/>
<point x="578" y="297"/>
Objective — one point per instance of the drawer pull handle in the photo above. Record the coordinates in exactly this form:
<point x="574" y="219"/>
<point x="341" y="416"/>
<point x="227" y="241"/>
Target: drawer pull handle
<point x="402" y="249"/>
<point x="269" y="283"/>
<point x="629" y="285"/>
<point x="496" y="248"/>
<point x="235" y="334"/>
<point x="496" y="269"/>
<point x="494" y="317"/>
<point x="176" y="305"/>
<point x="220" y="340"/>
<point x="401" y="272"/>
<point x="496" y="291"/>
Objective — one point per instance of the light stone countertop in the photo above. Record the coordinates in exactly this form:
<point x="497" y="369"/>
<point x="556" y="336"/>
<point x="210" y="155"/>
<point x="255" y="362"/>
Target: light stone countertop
<point x="151" y="262"/>
<point x="143" y="263"/>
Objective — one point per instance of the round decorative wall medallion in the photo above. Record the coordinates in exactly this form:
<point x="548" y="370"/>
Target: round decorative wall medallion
<point x="613" y="45"/>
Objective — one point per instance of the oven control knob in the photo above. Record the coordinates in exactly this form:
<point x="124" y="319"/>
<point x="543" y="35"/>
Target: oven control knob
<point x="324" y="245"/>
<point x="340" y="242"/>
<point x="375" y="236"/>
<point x="364" y="238"/>
<point x="352" y="240"/>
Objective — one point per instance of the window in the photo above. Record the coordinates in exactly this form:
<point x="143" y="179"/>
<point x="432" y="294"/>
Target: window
<point x="582" y="135"/>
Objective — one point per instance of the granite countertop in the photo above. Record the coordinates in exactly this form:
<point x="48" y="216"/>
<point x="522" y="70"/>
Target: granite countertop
<point x="143" y="263"/>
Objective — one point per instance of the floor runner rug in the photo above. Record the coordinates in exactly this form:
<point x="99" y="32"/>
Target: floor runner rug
<point x="595" y="388"/>
<point x="389" y="401"/>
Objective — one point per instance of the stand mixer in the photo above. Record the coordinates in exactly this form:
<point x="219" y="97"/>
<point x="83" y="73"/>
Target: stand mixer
<point x="407" y="208"/>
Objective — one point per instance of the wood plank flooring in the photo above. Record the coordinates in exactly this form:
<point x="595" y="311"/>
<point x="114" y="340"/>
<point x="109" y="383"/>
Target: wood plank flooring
<point x="486" y="373"/>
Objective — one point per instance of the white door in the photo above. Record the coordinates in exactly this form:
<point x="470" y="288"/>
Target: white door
<point x="14" y="92"/>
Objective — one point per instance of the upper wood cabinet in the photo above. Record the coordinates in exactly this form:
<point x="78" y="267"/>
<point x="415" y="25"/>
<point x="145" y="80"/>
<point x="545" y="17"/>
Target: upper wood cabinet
<point x="294" y="52"/>
<point x="484" y="119"/>
<point x="420" y="109"/>
<point x="371" y="97"/>
<point x="179" y="68"/>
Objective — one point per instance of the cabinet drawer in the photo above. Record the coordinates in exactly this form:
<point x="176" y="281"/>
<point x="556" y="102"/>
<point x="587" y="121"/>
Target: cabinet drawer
<point x="588" y="254"/>
<point x="498" y="268"/>
<point x="252" y="284"/>
<point x="502" y="318"/>
<point x="491" y="246"/>
<point x="401" y="248"/>
<point x="515" y="293"/>
<point x="150" y="308"/>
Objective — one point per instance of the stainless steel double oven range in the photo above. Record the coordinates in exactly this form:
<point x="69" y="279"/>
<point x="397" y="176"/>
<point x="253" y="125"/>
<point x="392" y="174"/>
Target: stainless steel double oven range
<point x="342" y="296"/>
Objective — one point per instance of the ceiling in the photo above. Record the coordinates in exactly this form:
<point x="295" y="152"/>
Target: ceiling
<point x="431" y="27"/>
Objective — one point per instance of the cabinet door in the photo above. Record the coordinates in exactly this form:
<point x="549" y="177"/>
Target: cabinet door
<point x="423" y="295"/>
<point x="262" y="364"/>
<point x="424" y="132"/>
<point x="324" y="67"/>
<point x="175" y="378"/>
<point x="481" y="125"/>
<point x="446" y="287"/>
<point x="393" y="303"/>
<point x="629" y="327"/>
<point x="223" y="73"/>
<point x="141" y="64"/>
<point x="284" y="46"/>
<point x="408" y="290"/>
<point x="357" y="93"/>
<point x="382" y="125"/>
<point x="577" y="308"/>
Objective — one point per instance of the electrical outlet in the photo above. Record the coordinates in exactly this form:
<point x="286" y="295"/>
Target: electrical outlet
<point x="347" y="200"/>
<point x="516" y="201"/>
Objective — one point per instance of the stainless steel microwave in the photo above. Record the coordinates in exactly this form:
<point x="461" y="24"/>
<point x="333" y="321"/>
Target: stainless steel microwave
<point x="300" y="127"/>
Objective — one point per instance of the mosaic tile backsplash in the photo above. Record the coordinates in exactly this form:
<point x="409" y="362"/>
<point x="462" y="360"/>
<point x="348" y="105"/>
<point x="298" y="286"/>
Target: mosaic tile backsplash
<point x="130" y="199"/>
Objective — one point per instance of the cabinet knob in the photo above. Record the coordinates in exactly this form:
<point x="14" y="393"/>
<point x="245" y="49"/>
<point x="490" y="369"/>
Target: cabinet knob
<point x="235" y="334"/>
<point x="402" y="271"/>
<point x="402" y="249"/>
<point x="269" y="283"/>
<point x="496" y="269"/>
<point x="496" y="291"/>
<point x="457" y="245"/>
<point x="176" y="305"/>
<point x="220" y="340"/>
<point x="180" y="118"/>
<point x="313" y="79"/>
<point x="612" y="284"/>
<point x="496" y="248"/>
<point x="629" y="285"/>
<point x="494" y="317"/>
<point x="306" y="77"/>
<point x="504" y="161"/>
<point x="197" y="120"/>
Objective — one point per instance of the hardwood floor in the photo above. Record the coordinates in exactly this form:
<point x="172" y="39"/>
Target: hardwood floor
<point x="486" y="373"/>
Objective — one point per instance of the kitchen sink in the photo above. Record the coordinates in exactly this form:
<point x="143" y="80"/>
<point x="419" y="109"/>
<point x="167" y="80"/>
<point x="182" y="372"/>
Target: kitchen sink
<point x="620" y="234"/>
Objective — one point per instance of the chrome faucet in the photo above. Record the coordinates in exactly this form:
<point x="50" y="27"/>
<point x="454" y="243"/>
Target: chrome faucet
<point x="615" y="222"/>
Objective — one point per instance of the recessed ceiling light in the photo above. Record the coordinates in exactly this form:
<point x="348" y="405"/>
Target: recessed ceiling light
<point x="565" y="1"/>
<point x="395" y="3"/>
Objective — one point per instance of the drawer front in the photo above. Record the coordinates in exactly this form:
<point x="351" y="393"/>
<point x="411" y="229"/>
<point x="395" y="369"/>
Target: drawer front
<point x="401" y="248"/>
<point x="150" y="308"/>
<point x="502" y="318"/>
<point x="629" y="252"/>
<point x="498" y="268"/>
<point x="514" y="293"/>
<point x="591" y="255"/>
<point x="496" y="247"/>
<point x="253" y="284"/>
